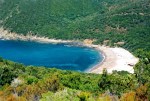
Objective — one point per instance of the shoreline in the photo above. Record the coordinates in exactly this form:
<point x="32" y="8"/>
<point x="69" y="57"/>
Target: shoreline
<point x="113" y="58"/>
<point x="6" y="35"/>
<point x="98" y="65"/>
<point x="117" y="59"/>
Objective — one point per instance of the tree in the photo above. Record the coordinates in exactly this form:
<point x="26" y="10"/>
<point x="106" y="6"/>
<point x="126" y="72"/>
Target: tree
<point x="103" y="82"/>
<point x="6" y="75"/>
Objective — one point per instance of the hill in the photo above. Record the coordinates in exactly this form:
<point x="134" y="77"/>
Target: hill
<point x="29" y="83"/>
<point x="114" y="21"/>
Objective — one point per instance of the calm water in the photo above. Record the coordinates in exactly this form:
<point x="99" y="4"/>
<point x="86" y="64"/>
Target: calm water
<point x="50" y="55"/>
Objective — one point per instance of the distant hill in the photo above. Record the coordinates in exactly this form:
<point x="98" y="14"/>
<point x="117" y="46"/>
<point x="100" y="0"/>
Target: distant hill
<point x="109" y="21"/>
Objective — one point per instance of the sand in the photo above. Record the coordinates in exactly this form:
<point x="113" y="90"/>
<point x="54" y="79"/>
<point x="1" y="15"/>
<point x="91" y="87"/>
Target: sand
<point x="114" y="58"/>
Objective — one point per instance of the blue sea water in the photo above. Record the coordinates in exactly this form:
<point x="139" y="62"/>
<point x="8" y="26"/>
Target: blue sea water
<point x="60" y="56"/>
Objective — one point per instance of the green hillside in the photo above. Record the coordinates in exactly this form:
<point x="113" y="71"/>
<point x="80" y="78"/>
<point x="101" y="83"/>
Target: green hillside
<point x="109" y="22"/>
<point x="22" y="83"/>
<point x="125" y="21"/>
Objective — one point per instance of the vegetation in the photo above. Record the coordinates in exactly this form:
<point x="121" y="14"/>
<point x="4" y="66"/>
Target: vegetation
<point x="124" y="23"/>
<point x="18" y="82"/>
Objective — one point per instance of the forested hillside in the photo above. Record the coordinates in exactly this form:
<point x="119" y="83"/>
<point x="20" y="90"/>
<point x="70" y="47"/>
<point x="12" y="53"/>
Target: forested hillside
<point x="124" y="23"/>
<point x="21" y="83"/>
<point x="110" y="21"/>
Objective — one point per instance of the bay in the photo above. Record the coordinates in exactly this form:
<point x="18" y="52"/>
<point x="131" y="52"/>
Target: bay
<point x="61" y="56"/>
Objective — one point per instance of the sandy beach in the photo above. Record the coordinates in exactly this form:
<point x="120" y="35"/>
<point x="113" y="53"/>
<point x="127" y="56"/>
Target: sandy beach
<point x="114" y="58"/>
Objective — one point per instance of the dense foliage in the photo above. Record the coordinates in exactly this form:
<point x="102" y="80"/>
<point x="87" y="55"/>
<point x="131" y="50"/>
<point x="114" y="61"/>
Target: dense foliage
<point x="126" y="21"/>
<point x="123" y="23"/>
<point x="18" y="82"/>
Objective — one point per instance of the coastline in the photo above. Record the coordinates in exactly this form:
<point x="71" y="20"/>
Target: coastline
<point x="113" y="58"/>
<point x="6" y="35"/>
